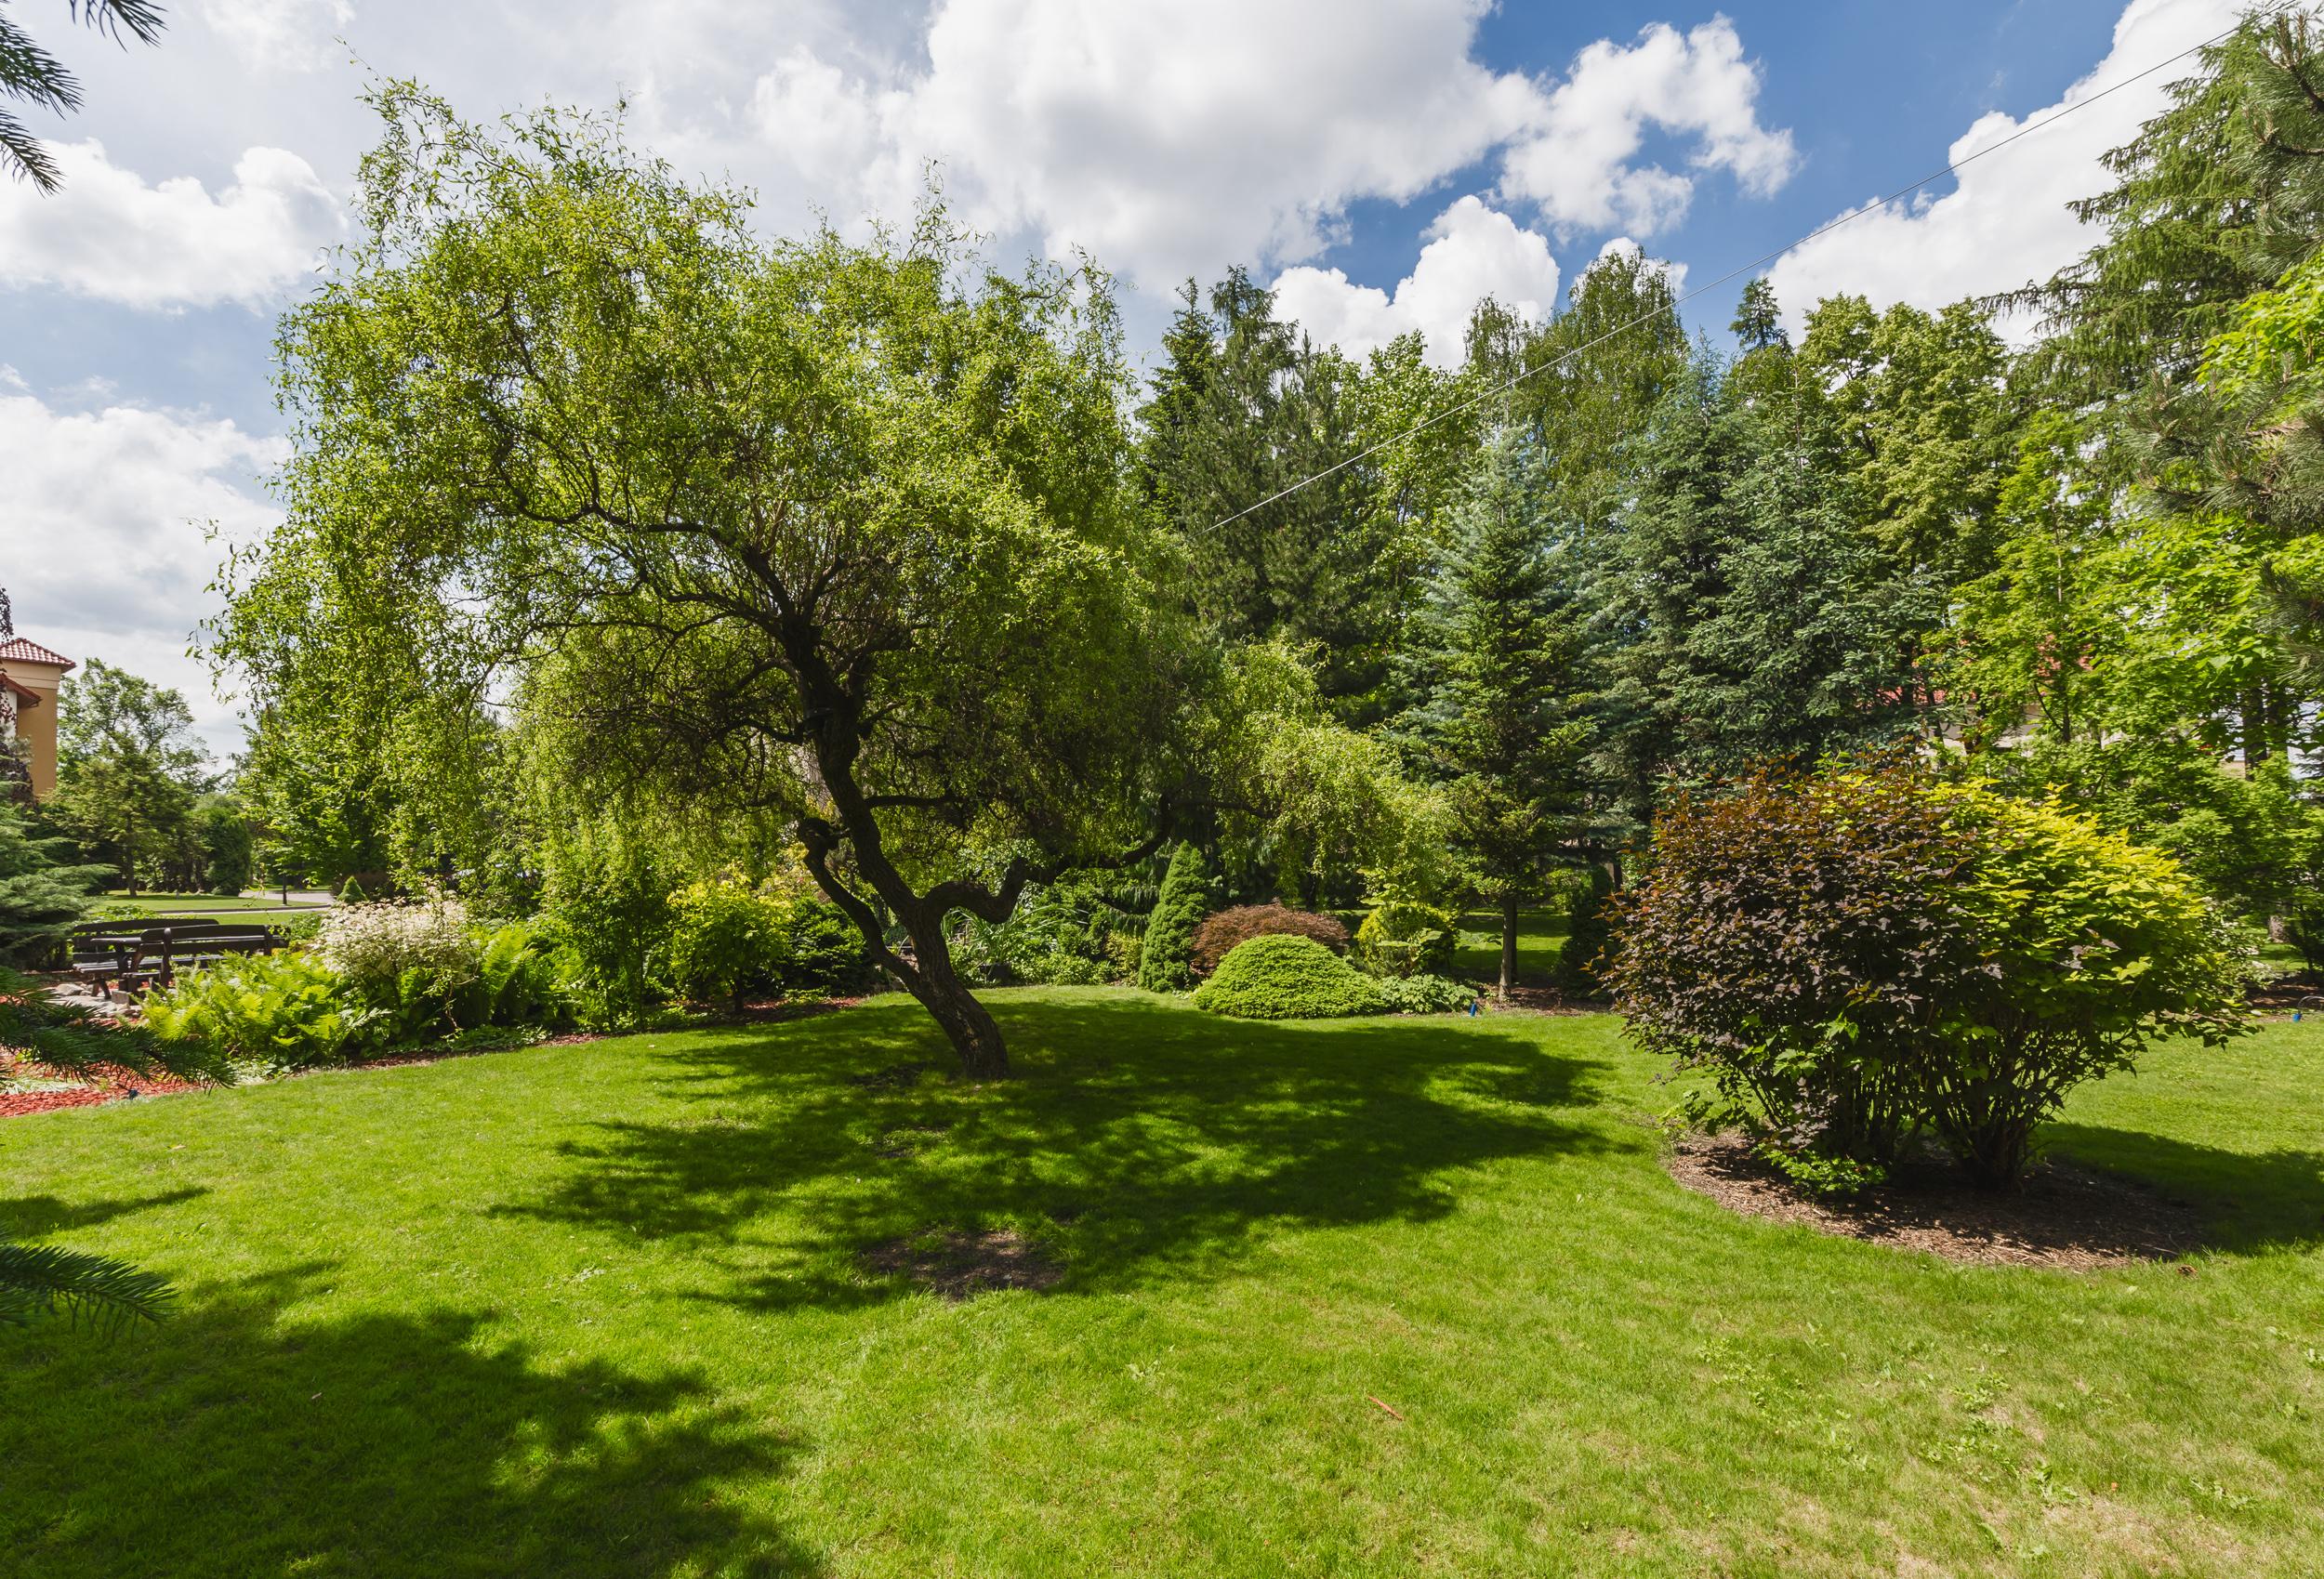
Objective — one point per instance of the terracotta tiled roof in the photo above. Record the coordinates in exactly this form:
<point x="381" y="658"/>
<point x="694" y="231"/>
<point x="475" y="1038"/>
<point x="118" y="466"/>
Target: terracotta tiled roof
<point x="30" y="652"/>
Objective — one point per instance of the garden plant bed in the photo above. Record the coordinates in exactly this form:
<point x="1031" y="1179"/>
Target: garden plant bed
<point x="2065" y="1218"/>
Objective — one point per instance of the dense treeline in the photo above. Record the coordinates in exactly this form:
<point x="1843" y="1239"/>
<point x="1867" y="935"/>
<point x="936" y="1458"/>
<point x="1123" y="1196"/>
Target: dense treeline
<point x="695" y="546"/>
<point x="2091" y="564"/>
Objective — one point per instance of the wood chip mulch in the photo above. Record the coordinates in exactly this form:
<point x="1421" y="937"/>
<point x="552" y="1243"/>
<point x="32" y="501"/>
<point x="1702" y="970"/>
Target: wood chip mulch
<point x="105" y="1083"/>
<point x="2063" y="1218"/>
<point x="960" y="1266"/>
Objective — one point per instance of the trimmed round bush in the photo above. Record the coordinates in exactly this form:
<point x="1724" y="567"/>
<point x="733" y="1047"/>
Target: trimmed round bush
<point x="1285" y="978"/>
<point x="1219" y="934"/>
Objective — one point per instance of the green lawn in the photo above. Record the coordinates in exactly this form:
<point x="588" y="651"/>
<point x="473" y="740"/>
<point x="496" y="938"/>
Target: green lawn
<point x="201" y="904"/>
<point x="1541" y="933"/>
<point x="597" y="1310"/>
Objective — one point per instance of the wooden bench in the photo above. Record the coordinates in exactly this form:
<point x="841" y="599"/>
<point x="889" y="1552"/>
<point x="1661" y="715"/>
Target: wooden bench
<point x="136" y="953"/>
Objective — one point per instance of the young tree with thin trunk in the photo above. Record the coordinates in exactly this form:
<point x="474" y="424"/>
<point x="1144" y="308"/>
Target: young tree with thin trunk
<point x="1496" y="661"/>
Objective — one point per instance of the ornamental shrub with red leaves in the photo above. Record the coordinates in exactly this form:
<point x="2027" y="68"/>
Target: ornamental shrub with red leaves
<point x="1859" y="953"/>
<point x="1785" y="939"/>
<point x="1216" y="938"/>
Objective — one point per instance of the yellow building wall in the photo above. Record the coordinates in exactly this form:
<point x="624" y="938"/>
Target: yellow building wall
<point x="36" y="721"/>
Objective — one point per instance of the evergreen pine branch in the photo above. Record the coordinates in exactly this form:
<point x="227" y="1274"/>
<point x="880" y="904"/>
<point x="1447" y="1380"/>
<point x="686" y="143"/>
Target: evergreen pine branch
<point x="38" y="1281"/>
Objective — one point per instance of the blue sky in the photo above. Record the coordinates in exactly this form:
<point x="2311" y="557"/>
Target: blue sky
<point x="1384" y="161"/>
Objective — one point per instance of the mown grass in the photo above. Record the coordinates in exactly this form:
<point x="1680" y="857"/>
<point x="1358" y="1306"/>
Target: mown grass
<point x="598" y="1310"/>
<point x="1541" y="933"/>
<point x="201" y="904"/>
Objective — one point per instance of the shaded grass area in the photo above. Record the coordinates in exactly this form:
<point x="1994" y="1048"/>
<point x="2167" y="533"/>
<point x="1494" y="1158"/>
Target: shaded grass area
<point x="1541" y="933"/>
<point x="604" y="1310"/>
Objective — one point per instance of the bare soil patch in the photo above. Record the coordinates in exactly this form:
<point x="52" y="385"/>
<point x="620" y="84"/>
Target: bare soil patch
<point x="2065" y="1217"/>
<point x="961" y="1266"/>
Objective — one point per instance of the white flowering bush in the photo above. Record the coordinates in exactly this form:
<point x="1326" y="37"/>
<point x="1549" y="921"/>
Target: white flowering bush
<point x="376" y="946"/>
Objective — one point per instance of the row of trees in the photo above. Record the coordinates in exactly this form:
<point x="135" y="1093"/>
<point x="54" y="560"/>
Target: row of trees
<point x="606" y="513"/>
<point x="137" y="795"/>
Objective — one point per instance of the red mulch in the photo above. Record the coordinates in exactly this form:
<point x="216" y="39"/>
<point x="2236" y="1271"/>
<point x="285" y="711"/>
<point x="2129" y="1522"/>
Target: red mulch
<point x="108" y="1082"/>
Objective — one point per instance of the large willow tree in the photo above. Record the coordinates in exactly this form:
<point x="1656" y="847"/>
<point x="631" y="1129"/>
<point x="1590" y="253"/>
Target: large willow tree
<point x="832" y="530"/>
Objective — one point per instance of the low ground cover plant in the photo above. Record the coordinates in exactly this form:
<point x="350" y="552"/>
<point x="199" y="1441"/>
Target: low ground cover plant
<point x="1223" y="930"/>
<point x="1289" y="978"/>
<point x="1425" y="994"/>
<point x="1858" y="956"/>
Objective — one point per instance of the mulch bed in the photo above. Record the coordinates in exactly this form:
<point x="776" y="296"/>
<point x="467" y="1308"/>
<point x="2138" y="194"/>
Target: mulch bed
<point x="2063" y="1218"/>
<point x="2293" y="989"/>
<point x="105" y="1083"/>
<point x="1540" y="1000"/>
<point x="961" y="1266"/>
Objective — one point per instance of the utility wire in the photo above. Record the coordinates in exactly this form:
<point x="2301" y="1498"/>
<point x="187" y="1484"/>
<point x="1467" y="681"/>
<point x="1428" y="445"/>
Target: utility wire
<point x="1755" y="264"/>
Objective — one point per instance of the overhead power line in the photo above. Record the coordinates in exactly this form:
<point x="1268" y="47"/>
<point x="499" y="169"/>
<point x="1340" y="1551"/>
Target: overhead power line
<point x="1753" y="267"/>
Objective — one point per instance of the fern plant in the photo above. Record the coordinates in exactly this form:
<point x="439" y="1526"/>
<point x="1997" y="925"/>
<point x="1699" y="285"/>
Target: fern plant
<point x="287" y="1011"/>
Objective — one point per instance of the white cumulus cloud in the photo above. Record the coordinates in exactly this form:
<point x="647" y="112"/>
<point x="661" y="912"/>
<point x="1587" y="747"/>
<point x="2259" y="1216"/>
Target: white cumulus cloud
<point x="1167" y="140"/>
<point x="107" y="535"/>
<point x="1577" y="159"/>
<point x="1473" y="252"/>
<point x="2006" y="221"/>
<point x="294" y="36"/>
<point x="111" y="235"/>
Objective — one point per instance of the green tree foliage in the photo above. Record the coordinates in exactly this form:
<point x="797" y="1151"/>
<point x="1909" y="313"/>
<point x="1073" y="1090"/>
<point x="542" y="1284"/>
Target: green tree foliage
<point x="128" y="771"/>
<point x="30" y="75"/>
<point x="1496" y="656"/>
<point x="1287" y="978"/>
<point x="1761" y="618"/>
<point x="832" y="533"/>
<point x="43" y="888"/>
<point x="1316" y="807"/>
<point x="1582" y="959"/>
<point x="1924" y="421"/>
<point x="1605" y="367"/>
<point x="2214" y="198"/>
<point x="1166" y="961"/>
<point x="228" y="848"/>
<point x="1243" y="408"/>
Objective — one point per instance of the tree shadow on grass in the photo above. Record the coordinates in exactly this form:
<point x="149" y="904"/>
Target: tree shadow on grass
<point x="36" y="1217"/>
<point x="2251" y="1201"/>
<point x="233" y="1441"/>
<point x="1137" y="1140"/>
